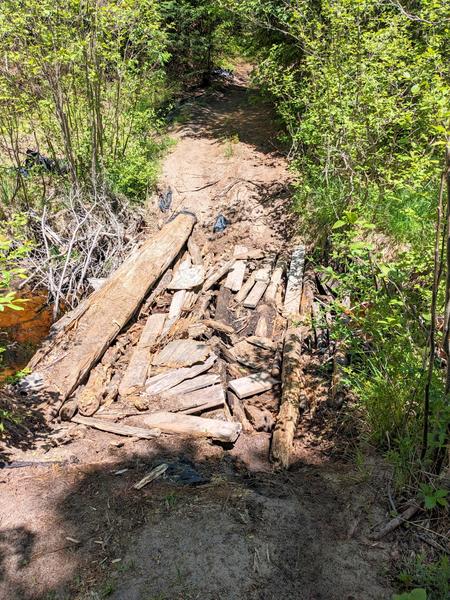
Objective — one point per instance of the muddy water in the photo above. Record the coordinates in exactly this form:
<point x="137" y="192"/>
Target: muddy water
<point x="21" y="332"/>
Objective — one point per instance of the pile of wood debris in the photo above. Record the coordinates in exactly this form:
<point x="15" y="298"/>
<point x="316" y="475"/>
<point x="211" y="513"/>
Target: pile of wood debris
<point x="213" y="349"/>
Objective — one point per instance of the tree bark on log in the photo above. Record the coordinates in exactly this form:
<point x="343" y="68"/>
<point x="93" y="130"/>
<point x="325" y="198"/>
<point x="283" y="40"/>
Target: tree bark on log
<point x="292" y="376"/>
<point x="108" y="310"/>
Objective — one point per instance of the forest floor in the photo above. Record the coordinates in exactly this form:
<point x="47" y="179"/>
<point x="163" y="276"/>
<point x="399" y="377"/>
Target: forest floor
<point x="76" y="529"/>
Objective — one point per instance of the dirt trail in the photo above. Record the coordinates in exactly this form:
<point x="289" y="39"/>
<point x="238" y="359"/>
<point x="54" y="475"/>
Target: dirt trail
<point x="79" y="530"/>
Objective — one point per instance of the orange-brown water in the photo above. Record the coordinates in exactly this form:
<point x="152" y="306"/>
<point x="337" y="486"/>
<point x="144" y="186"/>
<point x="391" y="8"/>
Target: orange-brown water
<point x="21" y="332"/>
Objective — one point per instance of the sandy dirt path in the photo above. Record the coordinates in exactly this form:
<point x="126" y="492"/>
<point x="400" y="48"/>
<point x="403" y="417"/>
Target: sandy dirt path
<point x="78" y="530"/>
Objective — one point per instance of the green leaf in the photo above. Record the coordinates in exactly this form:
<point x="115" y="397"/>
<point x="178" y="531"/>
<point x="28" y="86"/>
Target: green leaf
<point x="339" y="224"/>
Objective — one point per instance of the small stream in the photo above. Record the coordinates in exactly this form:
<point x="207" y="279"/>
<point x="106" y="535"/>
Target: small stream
<point x="22" y="332"/>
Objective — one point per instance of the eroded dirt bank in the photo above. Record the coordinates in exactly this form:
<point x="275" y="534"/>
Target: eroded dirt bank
<point x="77" y="529"/>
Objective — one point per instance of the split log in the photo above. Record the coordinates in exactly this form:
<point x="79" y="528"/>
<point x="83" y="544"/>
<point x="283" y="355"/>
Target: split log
<point x="224" y="431"/>
<point x="117" y="428"/>
<point x="136" y="372"/>
<point x="109" y="309"/>
<point x="292" y="385"/>
<point x="294" y="286"/>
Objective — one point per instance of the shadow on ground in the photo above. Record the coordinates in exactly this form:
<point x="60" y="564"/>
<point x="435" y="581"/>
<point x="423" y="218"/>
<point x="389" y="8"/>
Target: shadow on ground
<point x="85" y="532"/>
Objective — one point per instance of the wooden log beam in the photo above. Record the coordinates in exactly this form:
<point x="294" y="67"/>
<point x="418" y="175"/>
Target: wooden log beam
<point x="195" y="427"/>
<point x="292" y="379"/>
<point x="109" y="309"/>
<point x="117" y="428"/>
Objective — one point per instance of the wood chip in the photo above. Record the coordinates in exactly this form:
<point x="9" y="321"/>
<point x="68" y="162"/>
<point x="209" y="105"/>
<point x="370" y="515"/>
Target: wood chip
<point x="156" y="472"/>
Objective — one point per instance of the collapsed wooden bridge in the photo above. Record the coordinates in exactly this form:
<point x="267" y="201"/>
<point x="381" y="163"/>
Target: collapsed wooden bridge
<point x="177" y="342"/>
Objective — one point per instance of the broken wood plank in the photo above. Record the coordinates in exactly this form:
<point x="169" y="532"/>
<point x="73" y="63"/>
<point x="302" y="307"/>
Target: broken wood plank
<point x="245" y="289"/>
<point x="223" y="313"/>
<point x="217" y="274"/>
<point x="252" y="356"/>
<point x="224" y="431"/>
<point x="136" y="371"/>
<point x="251" y="385"/>
<point x="176" y="305"/>
<point x="164" y="381"/>
<point x="294" y="286"/>
<point x="109" y="309"/>
<point x="236" y="275"/>
<point x="195" y="252"/>
<point x="117" y="428"/>
<point x="265" y="325"/>
<point x="181" y="402"/>
<point x="181" y="353"/>
<point x="154" y="474"/>
<point x="271" y="292"/>
<point x="191" y="385"/>
<point x="204" y="407"/>
<point x="262" y="278"/>
<point x="218" y="326"/>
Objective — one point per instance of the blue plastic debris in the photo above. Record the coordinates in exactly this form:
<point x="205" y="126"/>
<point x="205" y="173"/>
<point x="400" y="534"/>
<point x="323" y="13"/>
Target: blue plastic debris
<point x="165" y="200"/>
<point x="221" y="224"/>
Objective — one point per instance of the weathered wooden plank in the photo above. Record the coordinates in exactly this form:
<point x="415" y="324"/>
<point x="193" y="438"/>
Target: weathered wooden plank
<point x="191" y="385"/>
<point x="108" y="310"/>
<point x="255" y="295"/>
<point x="117" y="428"/>
<point x="136" y="371"/>
<point x="275" y="280"/>
<point x="235" y="277"/>
<point x="244" y="387"/>
<point x="165" y="381"/>
<point x="294" y="286"/>
<point x="181" y="353"/>
<point x="176" y="305"/>
<point x="195" y="427"/>
<point x="154" y="474"/>
<point x="245" y="289"/>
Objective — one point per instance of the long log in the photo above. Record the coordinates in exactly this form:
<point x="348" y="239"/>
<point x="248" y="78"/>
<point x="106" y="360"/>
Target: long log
<point x="109" y="309"/>
<point x="292" y="380"/>
<point x="193" y="426"/>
